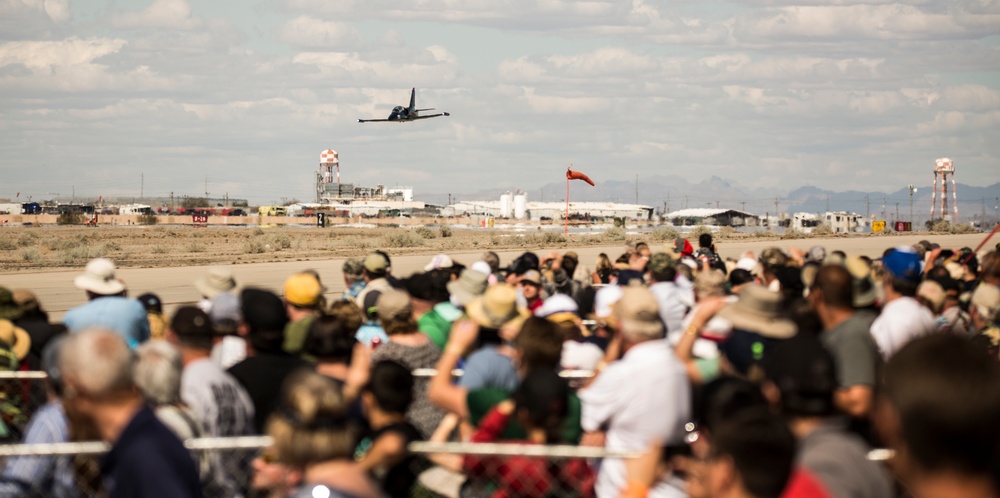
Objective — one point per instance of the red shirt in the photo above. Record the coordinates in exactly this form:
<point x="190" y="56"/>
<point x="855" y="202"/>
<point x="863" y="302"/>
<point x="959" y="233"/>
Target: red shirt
<point x="521" y="475"/>
<point x="802" y="484"/>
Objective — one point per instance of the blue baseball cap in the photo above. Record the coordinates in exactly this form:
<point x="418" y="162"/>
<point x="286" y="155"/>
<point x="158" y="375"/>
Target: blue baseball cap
<point x="903" y="262"/>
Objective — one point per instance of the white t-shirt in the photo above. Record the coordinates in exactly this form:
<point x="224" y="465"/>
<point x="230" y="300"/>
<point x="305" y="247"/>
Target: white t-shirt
<point x="643" y="398"/>
<point x="217" y="399"/>
<point x="902" y="320"/>
<point x="672" y="304"/>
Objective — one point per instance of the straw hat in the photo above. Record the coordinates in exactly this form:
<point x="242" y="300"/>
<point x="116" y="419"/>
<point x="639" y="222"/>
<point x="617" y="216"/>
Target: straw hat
<point x="497" y="306"/>
<point x="759" y="310"/>
<point x="99" y="277"/>
<point x="865" y="294"/>
<point x="218" y="280"/>
<point x="15" y="337"/>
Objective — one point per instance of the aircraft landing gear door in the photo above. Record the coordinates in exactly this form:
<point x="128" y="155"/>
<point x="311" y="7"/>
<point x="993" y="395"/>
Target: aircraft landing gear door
<point x="321" y="219"/>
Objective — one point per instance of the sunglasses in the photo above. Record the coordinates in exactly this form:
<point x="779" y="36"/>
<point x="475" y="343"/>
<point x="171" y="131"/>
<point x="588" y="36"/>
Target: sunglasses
<point x="268" y="457"/>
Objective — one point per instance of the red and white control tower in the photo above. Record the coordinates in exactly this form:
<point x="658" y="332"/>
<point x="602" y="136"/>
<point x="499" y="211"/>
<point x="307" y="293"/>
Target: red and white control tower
<point x="944" y="168"/>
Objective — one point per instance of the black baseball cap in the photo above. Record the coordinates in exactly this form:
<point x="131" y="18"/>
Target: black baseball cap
<point x="262" y="310"/>
<point x="190" y="321"/>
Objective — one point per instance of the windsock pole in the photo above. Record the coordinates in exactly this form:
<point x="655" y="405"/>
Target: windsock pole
<point x="566" y="224"/>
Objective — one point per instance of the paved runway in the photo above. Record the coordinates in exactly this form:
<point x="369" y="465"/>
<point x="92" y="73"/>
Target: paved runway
<point x="57" y="294"/>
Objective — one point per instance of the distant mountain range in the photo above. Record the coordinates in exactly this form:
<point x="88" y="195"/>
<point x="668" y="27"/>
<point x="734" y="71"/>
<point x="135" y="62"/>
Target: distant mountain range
<point x="674" y="192"/>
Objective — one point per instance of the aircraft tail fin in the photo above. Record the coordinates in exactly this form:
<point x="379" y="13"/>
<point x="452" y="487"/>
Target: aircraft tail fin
<point x="413" y="98"/>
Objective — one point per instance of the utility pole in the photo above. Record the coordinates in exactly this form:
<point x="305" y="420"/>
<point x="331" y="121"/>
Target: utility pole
<point x="206" y="187"/>
<point x="716" y="204"/>
<point x="685" y="202"/>
<point x="637" y="188"/>
<point x="171" y="202"/>
<point x="913" y="190"/>
<point x="982" y="220"/>
<point x="142" y="186"/>
<point x="897" y="211"/>
<point x="867" y="210"/>
<point x="743" y="206"/>
<point x="827" y="203"/>
<point x="776" y="213"/>
<point x="73" y="199"/>
<point x="885" y="200"/>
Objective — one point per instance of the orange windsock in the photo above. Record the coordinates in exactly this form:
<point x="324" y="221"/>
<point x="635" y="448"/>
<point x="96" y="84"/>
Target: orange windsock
<point x="576" y="175"/>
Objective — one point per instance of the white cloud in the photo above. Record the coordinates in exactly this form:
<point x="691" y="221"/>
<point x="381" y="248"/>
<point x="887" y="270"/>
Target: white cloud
<point x="557" y="104"/>
<point x="56" y="10"/>
<point x="854" y="22"/>
<point x="165" y="14"/>
<point x="305" y="31"/>
<point x="71" y="65"/>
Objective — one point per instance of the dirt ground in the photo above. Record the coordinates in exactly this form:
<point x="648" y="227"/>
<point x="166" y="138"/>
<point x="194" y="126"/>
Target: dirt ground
<point x="167" y="260"/>
<point x="48" y="247"/>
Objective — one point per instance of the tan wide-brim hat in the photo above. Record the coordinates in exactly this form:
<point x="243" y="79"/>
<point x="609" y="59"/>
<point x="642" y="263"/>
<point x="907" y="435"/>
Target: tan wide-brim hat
<point x="15" y="337"/>
<point x="218" y="280"/>
<point x="497" y="306"/>
<point x="470" y="285"/>
<point x="99" y="277"/>
<point x="759" y="310"/>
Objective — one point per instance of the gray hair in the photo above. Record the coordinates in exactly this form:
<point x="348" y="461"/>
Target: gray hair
<point x="158" y="373"/>
<point x="97" y="362"/>
<point x="636" y="331"/>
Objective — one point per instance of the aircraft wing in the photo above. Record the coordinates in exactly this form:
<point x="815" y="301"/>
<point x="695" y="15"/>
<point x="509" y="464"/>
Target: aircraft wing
<point x="430" y="116"/>
<point x="377" y="120"/>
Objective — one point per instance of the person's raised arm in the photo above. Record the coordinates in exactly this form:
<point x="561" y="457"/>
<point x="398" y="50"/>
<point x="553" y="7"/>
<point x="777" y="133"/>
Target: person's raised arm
<point x="707" y="308"/>
<point x="441" y="391"/>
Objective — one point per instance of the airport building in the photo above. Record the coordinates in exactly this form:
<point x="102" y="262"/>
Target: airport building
<point x="517" y="207"/>
<point x="712" y="217"/>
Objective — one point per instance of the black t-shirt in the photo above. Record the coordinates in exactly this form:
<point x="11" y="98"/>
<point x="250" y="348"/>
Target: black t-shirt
<point x="398" y="480"/>
<point x="262" y="376"/>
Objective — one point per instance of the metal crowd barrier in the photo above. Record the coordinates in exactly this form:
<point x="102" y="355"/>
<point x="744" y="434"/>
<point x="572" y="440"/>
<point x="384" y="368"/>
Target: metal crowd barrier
<point x="419" y="372"/>
<point x="258" y="442"/>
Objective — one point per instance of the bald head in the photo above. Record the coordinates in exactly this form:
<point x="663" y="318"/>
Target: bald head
<point x="836" y="286"/>
<point x="97" y="363"/>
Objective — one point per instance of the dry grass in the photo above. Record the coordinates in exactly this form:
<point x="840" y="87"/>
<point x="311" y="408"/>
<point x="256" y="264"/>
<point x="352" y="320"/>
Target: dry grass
<point x="138" y="246"/>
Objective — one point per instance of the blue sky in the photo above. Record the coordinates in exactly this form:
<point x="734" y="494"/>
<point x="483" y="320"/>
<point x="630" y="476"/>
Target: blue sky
<point x="766" y="93"/>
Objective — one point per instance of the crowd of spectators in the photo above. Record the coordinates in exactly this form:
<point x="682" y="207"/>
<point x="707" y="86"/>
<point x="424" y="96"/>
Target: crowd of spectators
<point x="760" y="376"/>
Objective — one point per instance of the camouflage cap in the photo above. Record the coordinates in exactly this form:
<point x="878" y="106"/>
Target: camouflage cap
<point x="353" y="268"/>
<point x="661" y="262"/>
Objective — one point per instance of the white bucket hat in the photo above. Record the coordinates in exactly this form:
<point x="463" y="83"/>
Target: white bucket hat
<point x="99" y="277"/>
<point x="218" y="280"/>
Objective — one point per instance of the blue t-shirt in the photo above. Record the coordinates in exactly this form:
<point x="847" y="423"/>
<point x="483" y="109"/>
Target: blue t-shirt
<point x="126" y="317"/>
<point x="369" y="332"/>
<point x="148" y="461"/>
<point x="487" y="367"/>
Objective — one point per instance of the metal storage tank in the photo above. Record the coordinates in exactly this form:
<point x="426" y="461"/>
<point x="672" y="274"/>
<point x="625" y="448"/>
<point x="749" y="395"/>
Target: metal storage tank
<point x="506" y="205"/>
<point x="521" y="206"/>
